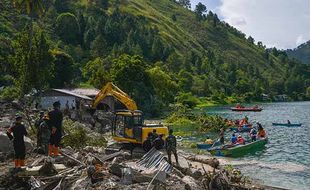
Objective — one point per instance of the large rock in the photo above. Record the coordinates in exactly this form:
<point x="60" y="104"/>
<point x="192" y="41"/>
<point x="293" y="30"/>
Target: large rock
<point x="6" y="145"/>
<point x="5" y="122"/>
<point x="191" y="183"/>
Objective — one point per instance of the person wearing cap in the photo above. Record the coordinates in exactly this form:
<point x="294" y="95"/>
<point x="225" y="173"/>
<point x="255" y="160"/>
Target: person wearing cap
<point x="37" y="125"/>
<point x="45" y="133"/>
<point x="19" y="131"/>
<point x="171" y="147"/>
<point x="55" y="123"/>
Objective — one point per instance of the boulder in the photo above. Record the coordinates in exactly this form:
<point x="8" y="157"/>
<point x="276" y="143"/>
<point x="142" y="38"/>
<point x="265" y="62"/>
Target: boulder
<point x="190" y="183"/>
<point x="7" y="146"/>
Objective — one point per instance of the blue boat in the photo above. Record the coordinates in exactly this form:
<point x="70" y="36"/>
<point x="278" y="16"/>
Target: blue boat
<point x="287" y="124"/>
<point x="207" y="146"/>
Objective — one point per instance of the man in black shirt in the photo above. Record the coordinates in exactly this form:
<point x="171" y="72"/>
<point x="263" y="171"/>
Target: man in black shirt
<point x="55" y="122"/>
<point x="19" y="131"/>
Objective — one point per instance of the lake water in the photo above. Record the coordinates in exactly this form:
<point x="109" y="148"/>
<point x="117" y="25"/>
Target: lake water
<point x="285" y="162"/>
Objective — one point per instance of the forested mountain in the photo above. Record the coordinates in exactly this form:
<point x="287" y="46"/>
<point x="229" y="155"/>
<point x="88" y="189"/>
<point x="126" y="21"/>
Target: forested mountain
<point x="158" y="51"/>
<point x="301" y="53"/>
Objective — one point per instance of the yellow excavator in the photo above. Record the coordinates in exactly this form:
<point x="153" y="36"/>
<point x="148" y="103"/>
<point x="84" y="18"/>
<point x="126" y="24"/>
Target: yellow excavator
<point x="128" y="125"/>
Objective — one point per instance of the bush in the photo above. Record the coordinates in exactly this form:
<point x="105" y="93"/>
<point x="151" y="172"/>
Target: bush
<point x="77" y="136"/>
<point x="9" y="93"/>
<point x="187" y="99"/>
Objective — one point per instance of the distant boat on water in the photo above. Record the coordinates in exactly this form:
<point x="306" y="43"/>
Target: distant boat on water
<point x="287" y="124"/>
<point x="239" y="107"/>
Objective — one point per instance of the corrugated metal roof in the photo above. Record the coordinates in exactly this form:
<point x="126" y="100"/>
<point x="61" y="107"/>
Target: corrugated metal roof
<point x="72" y="94"/>
<point x="85" y="91"/>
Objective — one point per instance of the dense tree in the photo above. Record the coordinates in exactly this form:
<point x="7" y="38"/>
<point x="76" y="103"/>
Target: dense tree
<point x="67" y="27"/>
<point x="62" y="70"/>
<point x="200" y="10"/>
<point x="163" y="84"/>
<point x="129" y="73"/>
<point x="33" y="68"/>
<point x="251" y="39"/>
<point x="185" y="3"/>
<point x="97" y="71"/>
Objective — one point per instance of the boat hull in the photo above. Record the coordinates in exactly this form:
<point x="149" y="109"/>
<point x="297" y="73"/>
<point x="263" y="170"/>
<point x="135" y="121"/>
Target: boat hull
<point x="287" y="125"/>
<point x="247" y="109"/>
<point x="207" y="146"/>
<point x="239" y="150"/>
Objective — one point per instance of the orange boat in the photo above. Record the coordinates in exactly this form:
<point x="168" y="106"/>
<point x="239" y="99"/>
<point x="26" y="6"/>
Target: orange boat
<point x="242" y="108"/>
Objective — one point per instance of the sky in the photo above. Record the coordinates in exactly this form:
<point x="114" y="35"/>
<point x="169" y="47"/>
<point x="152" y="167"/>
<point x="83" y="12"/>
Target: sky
<point x="284" y="24"/>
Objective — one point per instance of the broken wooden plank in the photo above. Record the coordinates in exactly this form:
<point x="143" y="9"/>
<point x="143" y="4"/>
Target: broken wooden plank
<point x="71" y="158"/>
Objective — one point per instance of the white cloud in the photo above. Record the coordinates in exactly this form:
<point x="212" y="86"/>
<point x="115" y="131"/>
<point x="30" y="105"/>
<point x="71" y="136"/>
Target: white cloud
<point x="280" y="23"/>
<point x="300" y="39"/>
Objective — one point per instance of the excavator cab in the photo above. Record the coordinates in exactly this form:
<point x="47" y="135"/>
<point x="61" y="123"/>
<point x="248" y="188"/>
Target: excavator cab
<point x="127" y="126"/>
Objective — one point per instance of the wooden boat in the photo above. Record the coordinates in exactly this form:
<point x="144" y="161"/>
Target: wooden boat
<point x="255" y="109"/>
<point x="239" y="150"/>
<point x="287" y="124"/>
<point x="207" y="146"/>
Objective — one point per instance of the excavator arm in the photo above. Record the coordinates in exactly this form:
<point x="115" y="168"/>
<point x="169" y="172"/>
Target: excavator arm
<point x="113" y="90"/>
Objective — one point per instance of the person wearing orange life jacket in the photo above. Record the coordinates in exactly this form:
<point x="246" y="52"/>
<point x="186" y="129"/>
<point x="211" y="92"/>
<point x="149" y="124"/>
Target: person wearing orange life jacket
<point x="19" y="131"/>
<point x="261" y="131"/>
<point x="240" y="140"/>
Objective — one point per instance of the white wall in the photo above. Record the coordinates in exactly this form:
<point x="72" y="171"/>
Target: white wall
<point x="47" y="102"/>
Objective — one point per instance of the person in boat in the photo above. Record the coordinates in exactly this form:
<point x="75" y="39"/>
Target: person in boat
<point x="288" y="122"/>
<point x="261" y="131"/>
<point x="222" y="135"/>
<point x="253" y="134"/>
<point x="233" y="138"/>
<point x="208" y="141"/>
<point x="240" y="140"/>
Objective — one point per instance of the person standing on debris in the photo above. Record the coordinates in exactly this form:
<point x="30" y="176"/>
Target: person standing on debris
<point x="45" y="134"/>
<point x="37" y="125"/>
<point x="171" y="147"/>
<point x="19" y="131"/>
<point x="147" y="144"/>
<point x="55" y="122"/>
<point x="158" y="143"/>
<point x="154" y="135"/>
<point x="222" y="135"/>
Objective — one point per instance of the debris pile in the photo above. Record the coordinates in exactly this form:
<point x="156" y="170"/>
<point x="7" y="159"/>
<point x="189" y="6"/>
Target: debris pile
<point x="89" y="169"/>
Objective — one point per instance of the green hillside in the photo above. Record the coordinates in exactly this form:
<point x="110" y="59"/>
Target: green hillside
<point x="301" y="53"/>
<point x="157" y="51"/>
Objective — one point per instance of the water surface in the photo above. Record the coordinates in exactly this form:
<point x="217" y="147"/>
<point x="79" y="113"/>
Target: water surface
<point x="285" y="162"/>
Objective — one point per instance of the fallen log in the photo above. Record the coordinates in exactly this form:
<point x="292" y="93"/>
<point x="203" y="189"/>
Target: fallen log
<point x="211" y="162"/>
